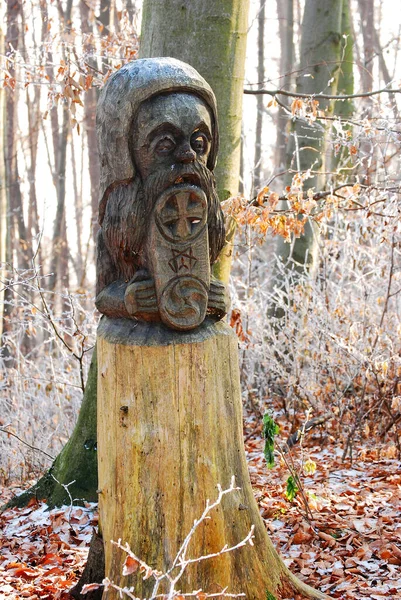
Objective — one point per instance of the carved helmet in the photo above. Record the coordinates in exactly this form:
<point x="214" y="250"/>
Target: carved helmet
<point x="118" y="105"/>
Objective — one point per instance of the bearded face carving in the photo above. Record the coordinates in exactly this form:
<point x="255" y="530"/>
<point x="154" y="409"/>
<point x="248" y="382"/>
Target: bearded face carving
<point x="162" y="229"/>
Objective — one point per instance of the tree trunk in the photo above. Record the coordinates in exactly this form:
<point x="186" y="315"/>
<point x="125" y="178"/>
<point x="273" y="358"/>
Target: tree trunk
<point x="366" y="9"/>
<point x="78" y="209"/>
<point x="61" y="172"/>
<point x="89" y="121"/>
<point x="285" y="13"/>
<point x="93" y="156"/>
<point x="18" y="247"/>
<point x="320" y="63"/>
<point x="170" y="430"/>
<point x="3" y="190"/>
<point x="57" y="242"/>
<point x="367" y="16"/>
<point x="34" y="117"/>
<point x="345" y="109"/>
<point x="210" y="36"/>
<point x="14" y="189"/>
<point x="257" y="177"/>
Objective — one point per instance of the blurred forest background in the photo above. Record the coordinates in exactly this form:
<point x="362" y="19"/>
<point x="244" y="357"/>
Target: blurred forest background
<point x="316" y="278"/>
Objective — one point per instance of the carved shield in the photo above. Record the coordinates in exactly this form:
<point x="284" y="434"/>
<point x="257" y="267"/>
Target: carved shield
<point x="178" y="256"/>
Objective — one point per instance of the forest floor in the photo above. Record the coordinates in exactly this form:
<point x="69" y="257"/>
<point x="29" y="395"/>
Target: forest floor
<point x="346" y="541"/>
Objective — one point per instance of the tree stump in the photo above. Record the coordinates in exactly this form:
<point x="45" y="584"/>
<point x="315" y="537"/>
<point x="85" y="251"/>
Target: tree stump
<point x="169" y="430"/>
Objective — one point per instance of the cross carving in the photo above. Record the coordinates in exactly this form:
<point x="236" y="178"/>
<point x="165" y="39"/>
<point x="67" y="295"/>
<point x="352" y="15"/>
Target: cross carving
<point x="181" y="213"/>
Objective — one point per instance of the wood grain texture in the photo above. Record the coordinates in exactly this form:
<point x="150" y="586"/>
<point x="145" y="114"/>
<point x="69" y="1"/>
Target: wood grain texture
<point x="119" y="102"/>
<point x="211" y="36"/>
<point x="170" y="430"/>
<point x="162" y="226"/>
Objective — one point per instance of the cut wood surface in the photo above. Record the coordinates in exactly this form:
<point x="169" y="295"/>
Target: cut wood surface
<point x="170" y="430"/>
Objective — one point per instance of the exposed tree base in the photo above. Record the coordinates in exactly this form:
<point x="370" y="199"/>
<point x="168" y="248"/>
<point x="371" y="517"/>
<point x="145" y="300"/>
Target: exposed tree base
<point x="170" y="430"/>
<point x="77" y="462"/>
<point x="93" y="572"/>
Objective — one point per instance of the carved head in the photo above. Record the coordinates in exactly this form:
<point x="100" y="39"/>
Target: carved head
<point x="158" y="141"/>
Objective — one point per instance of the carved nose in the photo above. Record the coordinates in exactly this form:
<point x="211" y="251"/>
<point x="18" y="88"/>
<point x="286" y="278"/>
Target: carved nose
<point x="186" y="154"/>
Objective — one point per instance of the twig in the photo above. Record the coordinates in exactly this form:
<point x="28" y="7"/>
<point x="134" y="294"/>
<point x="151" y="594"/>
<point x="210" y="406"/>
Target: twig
<point x="66" y="486"/>
<point x="323" y="96"/>
<point x="295" y="437"/>
<point x="26" y="443"/>
<point x="294" y="473"/>
<point x="181" y="562"/>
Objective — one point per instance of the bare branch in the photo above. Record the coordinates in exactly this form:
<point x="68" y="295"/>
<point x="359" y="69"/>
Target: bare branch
<point x="26" y="443"/>
<point x="322" y="96"/>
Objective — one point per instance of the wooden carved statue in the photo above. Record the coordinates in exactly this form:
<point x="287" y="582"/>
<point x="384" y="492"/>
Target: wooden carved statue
<point x="161" y="223"/>
<point x="169" y="407"/>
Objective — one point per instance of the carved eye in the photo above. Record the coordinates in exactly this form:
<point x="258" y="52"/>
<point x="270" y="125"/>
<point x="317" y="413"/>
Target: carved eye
<point x="165" y="145"/>
<point x="199" y="143"/>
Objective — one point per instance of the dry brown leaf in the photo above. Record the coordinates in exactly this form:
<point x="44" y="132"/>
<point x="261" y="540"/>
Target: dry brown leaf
<point x="90" y="587"/>
<point x="131" y="565"/>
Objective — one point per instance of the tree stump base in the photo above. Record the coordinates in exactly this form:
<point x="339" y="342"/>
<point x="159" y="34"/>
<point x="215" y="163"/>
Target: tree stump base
<point x="169" y="430"/>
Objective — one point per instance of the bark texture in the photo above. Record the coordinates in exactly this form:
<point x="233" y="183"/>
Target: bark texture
<point x="170" y="430"/>
<point x="17" y="227"/>
<point x="59" y="257"/>
<point x="320" y="63"/>
<point x="345" y="109"/>
<point x="258" y="171"/>
<point x="367" y="15"/>
<point x="90" y="114"/>
<point x="3" y="192"/>
<point x="285" y="12"/>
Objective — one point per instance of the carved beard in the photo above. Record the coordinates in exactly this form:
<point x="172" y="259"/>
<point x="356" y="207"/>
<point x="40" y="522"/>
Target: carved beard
<point x="129" y="207"/>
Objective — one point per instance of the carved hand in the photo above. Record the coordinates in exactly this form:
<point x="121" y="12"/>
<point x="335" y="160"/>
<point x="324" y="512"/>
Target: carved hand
<point x="140" y="297"/>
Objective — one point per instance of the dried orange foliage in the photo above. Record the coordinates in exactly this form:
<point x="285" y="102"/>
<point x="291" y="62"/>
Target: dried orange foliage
<point x="287" y="215"/>
<point x="131" y="565"/>
<point x="263" y="216"/>
<point x="237" y="324"/>
<point x="306" y="108"/>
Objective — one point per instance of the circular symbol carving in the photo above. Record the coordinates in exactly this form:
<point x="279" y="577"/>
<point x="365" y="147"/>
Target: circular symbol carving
<point x="181" y="213"/>
<point x="183" y="303"/>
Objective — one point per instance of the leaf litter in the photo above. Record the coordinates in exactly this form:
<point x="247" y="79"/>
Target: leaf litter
<point x="43" y="552"/>
<point x="350" y="549"/>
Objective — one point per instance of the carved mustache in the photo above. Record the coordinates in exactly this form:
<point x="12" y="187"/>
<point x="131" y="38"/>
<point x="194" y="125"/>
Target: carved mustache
<point x="195" y="174"/>
<point x="129" y="208"/>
